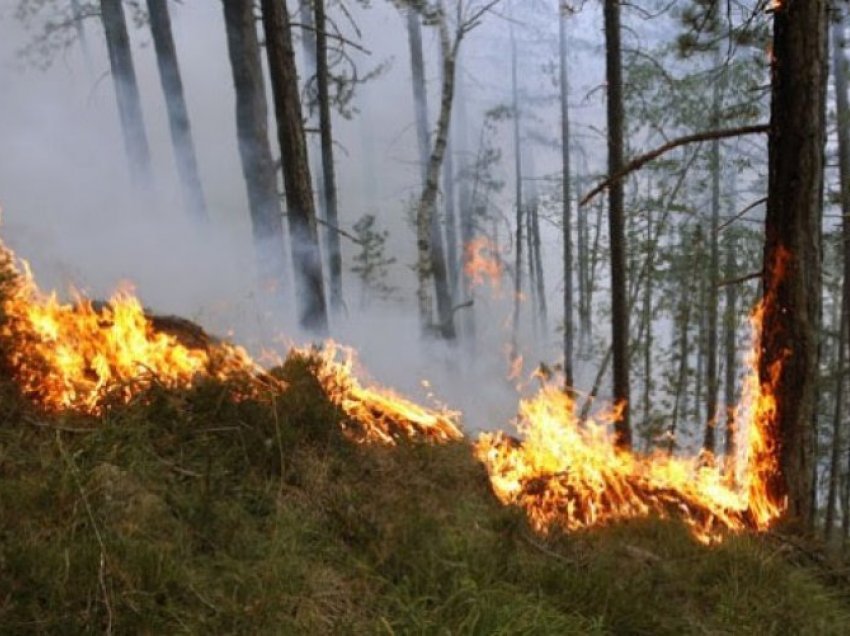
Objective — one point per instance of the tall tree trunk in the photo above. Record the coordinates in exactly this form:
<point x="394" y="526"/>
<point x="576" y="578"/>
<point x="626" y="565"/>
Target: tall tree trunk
<point x="328" y="171"/>
<point x="688" y="281"/>
<point x="566" y="210"/>
<point x="730" y="347"/>
<point x="840" y="70"/>
<point x="646" y="319"/>
<point x="127" y="93"/>
<point x="788" y="365"/>
<point x="309" y="286"/>
<point x="711" y="376"/>
<point x="466" y="202"/>
<point x="178" y="115"/>
<point x="79" y="27"/>
<point x="518" y="184"/>
<point x="450" y="212"/>
<point x="254" y="150"/>
<point x="617" y="238"/>
<point x="431" y="263"/>
<point x="314" y="146"/>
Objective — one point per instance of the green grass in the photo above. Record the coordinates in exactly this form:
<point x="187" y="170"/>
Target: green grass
<point x="188" y="513"/>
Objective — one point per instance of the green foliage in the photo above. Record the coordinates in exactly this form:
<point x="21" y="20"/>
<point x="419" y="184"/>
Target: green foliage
<point x="371" y="264"/>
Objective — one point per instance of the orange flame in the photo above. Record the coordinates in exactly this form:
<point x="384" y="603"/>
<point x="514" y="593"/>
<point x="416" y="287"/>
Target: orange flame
<point x="376" y="414"/>
<point x="482" y="264"/>
<point x="569" y="473"/>
<point x="77" y="356"/>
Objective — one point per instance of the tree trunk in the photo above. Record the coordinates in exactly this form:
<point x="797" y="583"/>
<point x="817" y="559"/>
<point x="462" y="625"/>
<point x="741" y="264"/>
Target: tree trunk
<point x="178" y="115"/>
<point x="617" y="238"/>
<point x="730" y="348"/>
<point x="788" y="365"/>
<point x="518" y="184"/>
<point x="127" y="93"/>
<point x="309" y="286"/>
<point x="79" y="27"/>
<point x="466" y="202"/>
<point x="711" y="380"/>
<point x="646" y="320"/>
<point x="843" y="114"/>
<point x="431" y="262"/>
<point x="328" y="171"/>
<point x="254" y="151"/>
<point x="566" y="210"/>
<point x="687" y="284"/>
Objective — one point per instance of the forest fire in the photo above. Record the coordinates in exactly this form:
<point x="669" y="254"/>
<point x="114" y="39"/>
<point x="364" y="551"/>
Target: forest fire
<point x="570" y="473"/>
<point x="378" y="415"/>
<point x="82" y="356"/>
<point x="482" y="264"/>
<point x="565" y="472"/>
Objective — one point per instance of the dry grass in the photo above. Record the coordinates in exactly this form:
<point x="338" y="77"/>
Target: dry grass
<point x="186" y="512"/>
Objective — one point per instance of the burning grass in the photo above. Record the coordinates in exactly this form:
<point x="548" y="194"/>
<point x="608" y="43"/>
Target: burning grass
<point x="186" y="511"/>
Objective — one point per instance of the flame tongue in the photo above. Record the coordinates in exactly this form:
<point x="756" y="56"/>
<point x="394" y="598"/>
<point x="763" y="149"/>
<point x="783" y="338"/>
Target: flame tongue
<point x="75" y="356"/>
<point x="378" y="415"/>
<point x="571" y="474"/>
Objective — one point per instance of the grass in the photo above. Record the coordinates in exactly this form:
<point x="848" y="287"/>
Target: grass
<point x="185" y="512"/>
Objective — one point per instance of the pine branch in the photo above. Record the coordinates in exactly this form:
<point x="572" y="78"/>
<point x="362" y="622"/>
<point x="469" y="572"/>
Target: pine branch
<point x="642" y="160"/>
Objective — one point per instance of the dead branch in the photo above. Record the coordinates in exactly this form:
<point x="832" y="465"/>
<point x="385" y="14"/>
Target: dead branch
<point x="741" y="279"/>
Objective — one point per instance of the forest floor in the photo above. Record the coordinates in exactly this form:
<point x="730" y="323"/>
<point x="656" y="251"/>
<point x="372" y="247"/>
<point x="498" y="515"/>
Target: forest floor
<point x="188" y="512"/>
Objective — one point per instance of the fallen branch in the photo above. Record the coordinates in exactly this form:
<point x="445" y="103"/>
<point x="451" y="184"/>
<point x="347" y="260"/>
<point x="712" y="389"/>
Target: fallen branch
<point x="642" y="160"/>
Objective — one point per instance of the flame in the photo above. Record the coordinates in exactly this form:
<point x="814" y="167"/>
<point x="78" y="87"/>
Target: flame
<point x="482" y="264"/>
<point x="378" y="415"/>
<point x="570" y="473"/>
<point x="81" y="356"/>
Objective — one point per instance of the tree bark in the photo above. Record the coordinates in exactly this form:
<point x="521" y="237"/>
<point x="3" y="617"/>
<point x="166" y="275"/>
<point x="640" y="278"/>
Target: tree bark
<point x="617" y="238"/>
<point x="127" y="93"/>
<point x="254" y="150"/>
<point x="566" y="210"/>
<point x="840" y="71"/>
<point x="712" y="381"/>
<point x="309" y="285"/>
<point x="328" y="170"/>
<point x="730" y="349"/>
<point x="431" y="262"/>
<point x="178" y="115"/>
<point x="518" y="185"/>
<point x="788" y="364"/>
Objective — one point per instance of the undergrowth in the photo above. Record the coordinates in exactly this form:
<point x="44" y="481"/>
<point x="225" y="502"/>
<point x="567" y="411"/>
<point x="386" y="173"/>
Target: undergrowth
<point x="187" y="512"/>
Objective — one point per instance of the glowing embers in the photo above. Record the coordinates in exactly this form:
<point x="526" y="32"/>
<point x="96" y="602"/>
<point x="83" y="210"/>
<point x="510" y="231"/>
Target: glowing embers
<point x="570" y="473"/>
<point x="376" y="414"/>
<point x="82" y="356"/>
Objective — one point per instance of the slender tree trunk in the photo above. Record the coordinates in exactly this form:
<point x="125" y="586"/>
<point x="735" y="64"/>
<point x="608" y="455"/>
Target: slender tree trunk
<point x="309" y="49"/>
<point x="646" y="319"/>
<point x="178" y="114"/>
<point x="566" y="209"/>
<point x="127" y="93"/>
<point x="450" y="213"/>
<point x="466" y="202"/>
<point x="712" y="380"/>
<point x="328" y="169"/>
<point x="518" y="184"/>
<point x="254" y="150"/>
<point x="730" y="347"/>
<point x="431" y="257"/>
<point x="617" y="238"/>
<point x="309" y="285"/>
<point x="79" y="27"/>
<point x="788" y="365"/>
<point x="840" y="71"/>
<point x="687" y="283"/>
